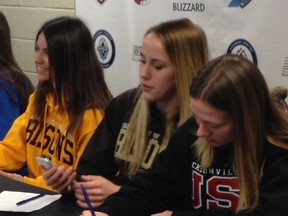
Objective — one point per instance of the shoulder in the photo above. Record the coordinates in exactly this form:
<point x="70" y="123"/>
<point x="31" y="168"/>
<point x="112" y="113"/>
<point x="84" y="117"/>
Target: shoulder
<point x="32" y="97"/>
<point x="91" y="120"/>
<point x="93" y="115"/>
<point x="129" y="96"/>
<point x="186" y="132"/>
<point x="31" y="102"/>
<point x="125" y="101"/>
<point x="189" y="127"/>
<point x="275" y="170"/>
<point x="275" y="153"/>
<point x="8" y="84"/>
<point x="275" y="160"/>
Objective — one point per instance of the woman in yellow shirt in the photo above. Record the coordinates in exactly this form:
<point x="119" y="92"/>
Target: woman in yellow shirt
<point x="66" y="107"/>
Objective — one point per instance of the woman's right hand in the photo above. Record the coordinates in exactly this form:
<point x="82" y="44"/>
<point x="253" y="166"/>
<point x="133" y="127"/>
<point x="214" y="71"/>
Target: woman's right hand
<point x="59" y="178"/>
<point x="88" y="213"/>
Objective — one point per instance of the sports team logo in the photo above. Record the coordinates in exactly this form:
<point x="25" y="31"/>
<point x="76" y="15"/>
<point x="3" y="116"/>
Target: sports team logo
<point x="142" y="2"/>
<point x="243" y="48"/>
<point x="239" y="3"/>
<point x="188" y="6"/>
<point x="285" y="67"/>
<point x="101" y="1"/>
<point x="105" y="47"/>
<point x="136" y="56"/>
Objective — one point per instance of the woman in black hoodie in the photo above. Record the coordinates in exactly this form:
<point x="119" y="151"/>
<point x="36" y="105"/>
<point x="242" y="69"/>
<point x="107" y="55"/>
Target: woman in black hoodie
<point x="237" y="166"/>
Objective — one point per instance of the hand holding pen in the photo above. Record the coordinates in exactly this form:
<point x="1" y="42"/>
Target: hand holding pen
<point x="88" y="213"/>
<point x="87" y="200"/>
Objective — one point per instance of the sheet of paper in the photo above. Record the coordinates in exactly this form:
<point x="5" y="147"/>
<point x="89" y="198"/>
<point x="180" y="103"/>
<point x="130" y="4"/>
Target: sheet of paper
<point x="8" y="200"/>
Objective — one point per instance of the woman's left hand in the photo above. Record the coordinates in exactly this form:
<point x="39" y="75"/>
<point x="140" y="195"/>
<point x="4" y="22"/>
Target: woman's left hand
<point x="165" y="213"/>
<point x="98" y="189"/>
<point x="13" y="176"/>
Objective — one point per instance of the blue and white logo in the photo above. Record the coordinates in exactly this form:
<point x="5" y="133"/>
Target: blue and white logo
<point x="239" y="3"/>
<point x="105" y="48"/>
<point x="243" y="48"/>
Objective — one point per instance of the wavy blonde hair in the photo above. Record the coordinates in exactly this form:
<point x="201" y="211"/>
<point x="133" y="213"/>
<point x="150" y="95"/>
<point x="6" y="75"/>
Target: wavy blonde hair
<point x="186" y="46"/>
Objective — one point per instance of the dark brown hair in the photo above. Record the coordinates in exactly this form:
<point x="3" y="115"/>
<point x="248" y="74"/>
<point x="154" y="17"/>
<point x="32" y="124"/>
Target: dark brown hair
<point x="78" y="78"/>
<point x="9" y="69"/>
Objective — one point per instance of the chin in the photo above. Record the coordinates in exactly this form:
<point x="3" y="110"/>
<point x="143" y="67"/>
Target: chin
<point x="42" y="79"/>
<point x="148" y="97"/>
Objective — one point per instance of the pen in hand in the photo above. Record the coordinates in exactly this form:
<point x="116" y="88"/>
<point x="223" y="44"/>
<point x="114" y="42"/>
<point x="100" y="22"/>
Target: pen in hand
<point x="87" y="200"/>
<point x="29" y="199"/>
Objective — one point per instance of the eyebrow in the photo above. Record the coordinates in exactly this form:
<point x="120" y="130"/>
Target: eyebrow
<point x="154" y="59"/>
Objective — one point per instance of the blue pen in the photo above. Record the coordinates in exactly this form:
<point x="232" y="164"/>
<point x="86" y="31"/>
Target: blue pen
<point x="87" y="200"/>
<point x="30" y="199"/>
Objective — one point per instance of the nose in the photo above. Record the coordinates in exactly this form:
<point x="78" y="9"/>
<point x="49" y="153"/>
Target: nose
<point x="38" y="57"/>
<point x="144" y="71"/>
<point x="202" y="130"/>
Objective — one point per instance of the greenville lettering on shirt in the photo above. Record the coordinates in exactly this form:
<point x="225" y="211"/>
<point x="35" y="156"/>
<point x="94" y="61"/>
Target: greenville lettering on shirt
<point x="214" y="187"/>
<point x="52" y="139"/>
<point x="152" y="149"/>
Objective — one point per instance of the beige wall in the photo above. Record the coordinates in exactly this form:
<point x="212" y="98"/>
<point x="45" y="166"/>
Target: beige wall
<point x="25" y="18"/>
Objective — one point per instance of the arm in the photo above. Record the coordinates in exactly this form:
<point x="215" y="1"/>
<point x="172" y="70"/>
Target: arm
<point x="166" y="186"/>
<point x="9" y="109"/>
<point x="273" y="189"/>
<point x="13" y="147"/>
<point x="97" y="168"/>
<point x="100" y="150"/>
<point x="61" y="177"/>
<point x="98" y="156"/>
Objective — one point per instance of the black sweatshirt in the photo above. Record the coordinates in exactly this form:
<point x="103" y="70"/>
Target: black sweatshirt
<point x="177" y="182"/>
<point x="100" y="156"/>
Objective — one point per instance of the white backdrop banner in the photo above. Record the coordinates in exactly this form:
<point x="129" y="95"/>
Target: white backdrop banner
<point x="256" y="29"/>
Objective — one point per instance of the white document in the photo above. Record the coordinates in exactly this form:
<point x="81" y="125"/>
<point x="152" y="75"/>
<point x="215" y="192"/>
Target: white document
<point x="8" y="200"/>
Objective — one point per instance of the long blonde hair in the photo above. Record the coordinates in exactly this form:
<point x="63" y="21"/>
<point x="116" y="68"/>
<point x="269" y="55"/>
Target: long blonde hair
<point x="186" y="46"/>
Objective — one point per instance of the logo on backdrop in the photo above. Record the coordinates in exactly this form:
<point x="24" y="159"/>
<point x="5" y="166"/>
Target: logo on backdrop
<point x="105" y="47"/>
<point x="191" y="7"/>
<point x="243" y="48"/>
<point x="142" y="2"/>
<point x="239" y="3"/>
<point x="285" y="67"/>
<point x="101" y="1"/>
<point x="136" y="53"/>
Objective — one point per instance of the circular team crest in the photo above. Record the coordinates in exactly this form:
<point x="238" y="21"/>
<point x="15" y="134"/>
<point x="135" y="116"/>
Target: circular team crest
<point x="243" y="48"/>
<point x="104" y="47"/>
<point x="142" y="2"/>
<point x="101" y="1"/>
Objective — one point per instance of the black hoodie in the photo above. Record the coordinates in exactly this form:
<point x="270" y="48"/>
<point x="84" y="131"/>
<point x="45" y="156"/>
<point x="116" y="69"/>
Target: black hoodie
<point x="178" y="183"/>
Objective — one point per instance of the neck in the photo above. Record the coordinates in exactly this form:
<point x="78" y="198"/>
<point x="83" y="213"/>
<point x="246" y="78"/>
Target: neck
<point x="169" y="106"/>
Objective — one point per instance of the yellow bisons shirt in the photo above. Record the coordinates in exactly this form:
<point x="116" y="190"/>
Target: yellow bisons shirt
<point x="28" y="138"/>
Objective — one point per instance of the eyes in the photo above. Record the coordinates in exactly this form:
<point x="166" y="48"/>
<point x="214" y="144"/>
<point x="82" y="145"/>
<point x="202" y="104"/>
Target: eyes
<point x="38" y="49"/>
<point x="157" y="64"/>
<point x="209" y="125"/>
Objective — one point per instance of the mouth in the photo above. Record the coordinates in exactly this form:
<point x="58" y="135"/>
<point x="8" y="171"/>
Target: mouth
<point x="40" y="68"/>
<point x="145" y="88"/>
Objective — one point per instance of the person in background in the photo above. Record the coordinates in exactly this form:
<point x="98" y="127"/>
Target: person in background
<point x="238" y="165"/>
<point x="279" y="94"/>
<point x="15" y="86"/>
<point x="66" y="107"/>
<point x="144" y="118"/>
